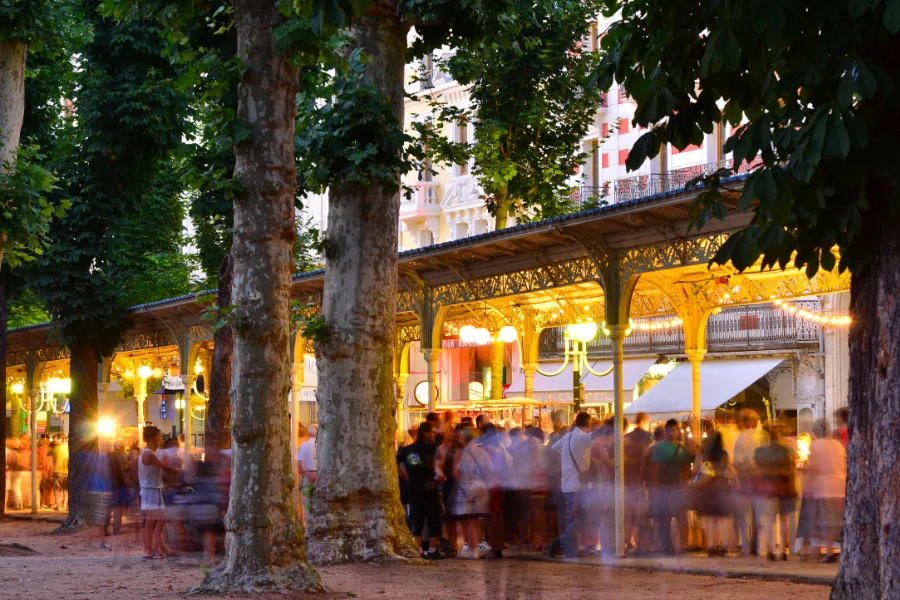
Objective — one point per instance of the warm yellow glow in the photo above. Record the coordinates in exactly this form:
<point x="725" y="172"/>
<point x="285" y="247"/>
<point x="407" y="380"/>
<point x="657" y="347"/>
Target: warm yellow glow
<point x="106" y="427"/>
<point x="59" y="386"/>
<point x="658" y="325"/>
<point x="198" y="368"/>
<point x="179" y="403"/>
<point x="582" y="332"/>
<point x="803" y="442"/>
<point x="467" y="334"/>
<point x="508" y="334"/>
<point x="18" y="388"/>
<point x="158" y="373"/>
<point x="482" y="336"/>
<point x="144" y="371"/>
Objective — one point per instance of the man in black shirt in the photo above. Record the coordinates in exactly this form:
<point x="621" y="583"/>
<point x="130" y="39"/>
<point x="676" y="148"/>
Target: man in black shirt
<point x="637" y="522"/>
<point x="417" y="466"/>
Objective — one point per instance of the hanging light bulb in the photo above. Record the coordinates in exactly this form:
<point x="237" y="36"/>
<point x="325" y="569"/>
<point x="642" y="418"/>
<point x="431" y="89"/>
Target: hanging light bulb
<point x="482" y="336"/>
<point x="467" y="334"/>
<point x="158" y="373"/>
<point x="508" y="334"/>
<point x="144" y="371"/>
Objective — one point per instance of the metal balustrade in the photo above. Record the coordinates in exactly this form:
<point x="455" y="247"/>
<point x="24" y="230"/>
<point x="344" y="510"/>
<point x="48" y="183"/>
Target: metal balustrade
<point x="641" y="186"/>
<point x="763" y="326"/>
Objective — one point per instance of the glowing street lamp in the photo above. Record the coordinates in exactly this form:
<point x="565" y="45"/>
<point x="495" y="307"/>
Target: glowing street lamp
<point x="508" y="334"/>
<point x="575" y="339"/>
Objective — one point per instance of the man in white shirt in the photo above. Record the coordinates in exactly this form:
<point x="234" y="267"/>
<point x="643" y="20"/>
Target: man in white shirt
<point x="306" y="465"/>
<point x="748" y="440"/>
<point x="575" y="452"/>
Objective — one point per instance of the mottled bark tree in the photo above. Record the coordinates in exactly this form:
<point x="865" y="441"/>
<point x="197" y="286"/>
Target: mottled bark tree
<point x="218" y="419"/>
<point x="264" y="547"/>
<point x="4" y="317"/>
<point x="355" y="510"/>
<point x="12" y="97"/>
<point x="870" y="551"/>
<point x="84" y="402"/>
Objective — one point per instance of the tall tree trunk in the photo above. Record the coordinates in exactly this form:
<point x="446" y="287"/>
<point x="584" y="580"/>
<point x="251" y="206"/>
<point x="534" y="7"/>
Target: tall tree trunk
<point x="870" y="552"/>
<point x="355" y="509"/>
<point x="4" y="320"/>
<point x="218" y="419"/>
<point x="502" y="217"/>
<point x="264" y="548"/>
<point x="83" y="414"/>
<point x="12" y="97"/>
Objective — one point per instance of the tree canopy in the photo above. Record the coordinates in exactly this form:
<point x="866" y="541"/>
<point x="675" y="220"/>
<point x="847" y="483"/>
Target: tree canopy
<point x="532" y="102"/>
<point x="809" y="87"/>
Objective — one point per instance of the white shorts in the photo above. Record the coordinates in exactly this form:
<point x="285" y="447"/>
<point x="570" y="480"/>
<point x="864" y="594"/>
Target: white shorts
<point x="152" y="499"/>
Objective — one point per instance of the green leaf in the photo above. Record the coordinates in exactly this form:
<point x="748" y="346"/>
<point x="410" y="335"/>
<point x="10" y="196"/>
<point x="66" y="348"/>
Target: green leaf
<point x="837" y="140"/>
<point x="892" y="16"/>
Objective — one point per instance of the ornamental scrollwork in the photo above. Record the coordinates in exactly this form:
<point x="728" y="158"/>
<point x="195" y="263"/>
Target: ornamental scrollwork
<point x="680" y="253"/>
<point x="148" y="340"/>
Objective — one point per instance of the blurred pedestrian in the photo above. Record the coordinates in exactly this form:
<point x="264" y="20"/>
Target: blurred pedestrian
<point x="575" y="451"/>
<point x="150" y="475"/>
<point x="777" y="493"/>
<point x="670" y="462"/>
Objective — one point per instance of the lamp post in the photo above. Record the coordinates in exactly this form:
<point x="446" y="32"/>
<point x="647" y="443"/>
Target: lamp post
<point x="144" y="372"/>
<point x="575" y="341"/>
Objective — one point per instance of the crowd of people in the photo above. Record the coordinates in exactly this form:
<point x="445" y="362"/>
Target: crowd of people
<point x="174" y="503"/>
<point x="51" y="472"/>
<point x="473" y="489"/>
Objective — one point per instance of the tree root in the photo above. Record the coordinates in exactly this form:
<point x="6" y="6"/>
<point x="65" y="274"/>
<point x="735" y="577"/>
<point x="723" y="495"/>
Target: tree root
<point x="342" y="550"/>
<point x="243" y="580"/>
<point x="72" y="524"/>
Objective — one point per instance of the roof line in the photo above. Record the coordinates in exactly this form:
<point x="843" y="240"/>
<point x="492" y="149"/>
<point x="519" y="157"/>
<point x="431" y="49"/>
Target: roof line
<point x="474" y="240"/>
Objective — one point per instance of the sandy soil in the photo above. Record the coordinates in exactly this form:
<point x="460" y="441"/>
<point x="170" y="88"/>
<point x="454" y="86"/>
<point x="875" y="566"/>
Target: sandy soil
<point x="74" y="566"/>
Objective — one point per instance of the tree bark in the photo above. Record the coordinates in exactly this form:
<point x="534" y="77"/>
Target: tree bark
<point x="4" y="320"/>
<point x="12" y="97"/>
<point x="83" y="414"/>
<point x="218" y="419"/>
<point x="264" y="549"/>
<point x="502" y="217"/>
<point x="870" y="552"/>
<point x="355" y="509"/>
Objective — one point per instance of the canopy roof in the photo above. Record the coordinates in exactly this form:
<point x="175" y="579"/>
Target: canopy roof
<point x="720" y="381"/>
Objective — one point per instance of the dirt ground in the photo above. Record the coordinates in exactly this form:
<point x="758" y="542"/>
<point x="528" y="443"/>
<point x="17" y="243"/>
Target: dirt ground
<point x="74" y="566"/>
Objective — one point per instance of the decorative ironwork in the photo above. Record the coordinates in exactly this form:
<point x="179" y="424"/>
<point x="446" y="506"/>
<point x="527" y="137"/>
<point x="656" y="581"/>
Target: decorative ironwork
<point x="682" y="253"/>
<point x="643" y="186"/>
<point x="761" y="326"/>
<point x="146" y="341"/>
<point x="544" y="277"/>
<point x="408" y="334"/>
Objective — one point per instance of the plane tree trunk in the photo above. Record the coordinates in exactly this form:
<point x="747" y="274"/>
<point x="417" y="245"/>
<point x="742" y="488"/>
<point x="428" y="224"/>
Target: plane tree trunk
<point x="12" y="97"/>
<point x="870" y="552"/>
<point x="218" y="419"/>
<point x="355" y="511"/>
<point x="264" y="549"/>
<point x="83" y="450"/>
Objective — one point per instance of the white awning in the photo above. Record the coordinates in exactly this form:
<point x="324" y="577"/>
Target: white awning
<point x="597" y="389"/>
<point x="720" y="381"/>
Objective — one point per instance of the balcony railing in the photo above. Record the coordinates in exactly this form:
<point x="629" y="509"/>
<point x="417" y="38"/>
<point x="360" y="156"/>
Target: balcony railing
<point x="763" y="326"/>
<point x="641" y="186"/>
<point x="423" y="202"/>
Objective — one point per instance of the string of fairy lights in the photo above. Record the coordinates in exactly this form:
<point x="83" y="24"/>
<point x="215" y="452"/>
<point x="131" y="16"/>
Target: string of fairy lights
<point x="812" y="316"/>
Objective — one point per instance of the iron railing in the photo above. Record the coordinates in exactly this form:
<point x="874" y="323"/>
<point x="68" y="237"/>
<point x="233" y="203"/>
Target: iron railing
<point x="763" y="326"/>
<point x="641" y="186"/>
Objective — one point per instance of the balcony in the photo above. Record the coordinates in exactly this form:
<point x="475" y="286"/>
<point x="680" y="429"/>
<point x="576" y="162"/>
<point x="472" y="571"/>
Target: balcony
<point x="641" y="186"/>
<point x="756" y="327"/>
<point x="423" y="202"/>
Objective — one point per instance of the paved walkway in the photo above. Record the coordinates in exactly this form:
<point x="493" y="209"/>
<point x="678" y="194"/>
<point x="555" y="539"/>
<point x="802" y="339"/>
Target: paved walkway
<point x="699" y="564"/>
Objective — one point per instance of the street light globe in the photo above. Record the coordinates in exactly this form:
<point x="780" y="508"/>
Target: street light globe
<point x="106" y="427"/>
<point x="482" y="336"/>
<point x="467" y="334"/>
<point x="582" y="332"/>
<point x="508" y="334"/>
<point x="144" y="371"/>
<point x="18" y="388"/>
<point x="158" y="373"/>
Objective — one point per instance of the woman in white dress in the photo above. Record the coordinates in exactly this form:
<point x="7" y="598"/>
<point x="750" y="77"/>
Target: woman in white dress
<point x="150" y="470"/>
